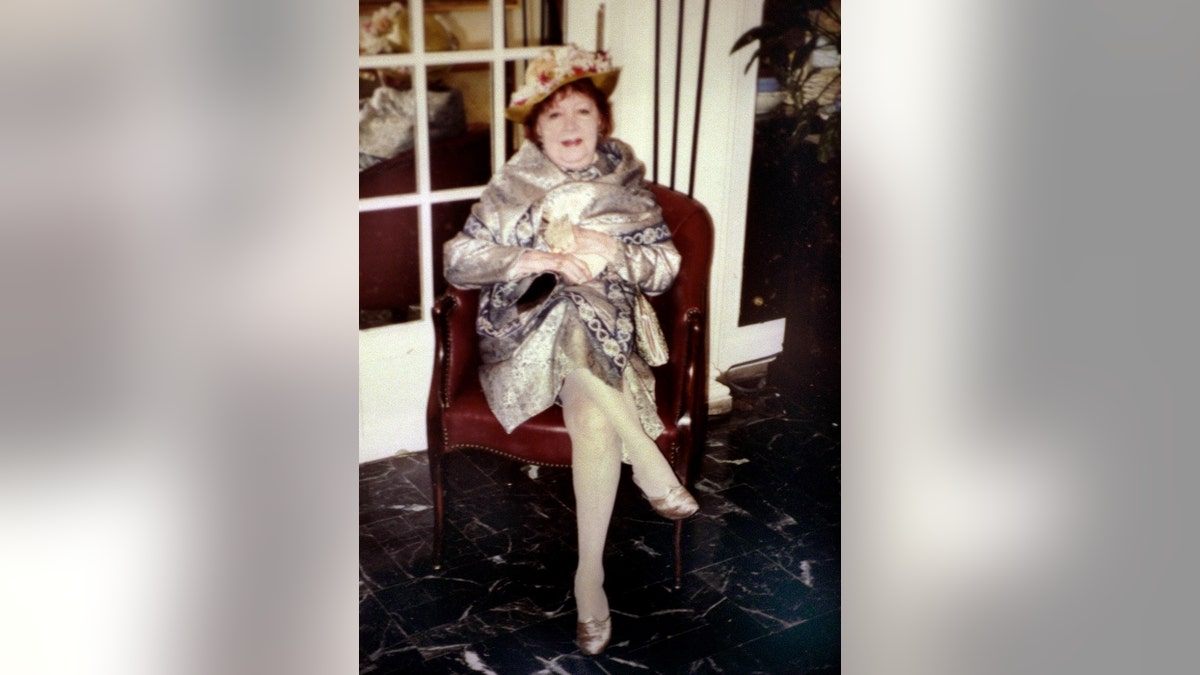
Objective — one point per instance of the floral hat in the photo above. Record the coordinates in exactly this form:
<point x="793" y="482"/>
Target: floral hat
<point x="558" y="66"/>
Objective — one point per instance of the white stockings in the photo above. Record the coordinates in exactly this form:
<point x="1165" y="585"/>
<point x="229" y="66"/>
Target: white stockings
<point x="601" y="420"/>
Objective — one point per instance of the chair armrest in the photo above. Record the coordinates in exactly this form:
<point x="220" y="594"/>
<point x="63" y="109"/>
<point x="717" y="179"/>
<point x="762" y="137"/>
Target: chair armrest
<point x="694" y="375"/>
<point x="455" y="349"/>
<point x="439" y="387"/>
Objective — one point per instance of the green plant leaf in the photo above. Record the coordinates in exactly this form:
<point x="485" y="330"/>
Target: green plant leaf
<point x="749" y="36"/>
<point x="788" y="37"/>
<point x="749" y="63"/>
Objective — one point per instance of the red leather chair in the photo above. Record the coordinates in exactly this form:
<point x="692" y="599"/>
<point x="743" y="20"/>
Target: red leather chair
<point x="459" y="416"/>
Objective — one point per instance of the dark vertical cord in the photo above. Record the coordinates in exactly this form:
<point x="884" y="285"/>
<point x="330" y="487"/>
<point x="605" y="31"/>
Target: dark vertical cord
<point x="678" y="72"/>
<point x="657" y="77"/>
<point x="553" y="33"/>
<point x="699" y="93"/>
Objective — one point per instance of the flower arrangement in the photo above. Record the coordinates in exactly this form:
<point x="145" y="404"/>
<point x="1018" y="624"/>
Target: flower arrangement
<point x="386" y="31"/>
<point x="554" y="67"/>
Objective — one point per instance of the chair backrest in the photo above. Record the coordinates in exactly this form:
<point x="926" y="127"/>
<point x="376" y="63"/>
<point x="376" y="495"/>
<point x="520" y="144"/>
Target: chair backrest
<point x="692" y="231"/>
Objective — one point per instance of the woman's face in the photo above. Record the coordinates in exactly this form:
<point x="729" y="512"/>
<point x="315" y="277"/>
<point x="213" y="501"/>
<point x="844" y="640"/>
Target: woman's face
<point x="569" y="129"/>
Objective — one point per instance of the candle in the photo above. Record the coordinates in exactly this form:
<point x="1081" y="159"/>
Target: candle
<point x="600" y="28"/>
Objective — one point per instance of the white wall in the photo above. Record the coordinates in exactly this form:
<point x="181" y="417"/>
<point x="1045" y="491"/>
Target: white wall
<point x="725" y="141"/>
<point x="395" y="364"/>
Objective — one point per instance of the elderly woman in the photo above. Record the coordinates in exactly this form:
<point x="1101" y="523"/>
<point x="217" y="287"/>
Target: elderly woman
<point x="561" y="242"/>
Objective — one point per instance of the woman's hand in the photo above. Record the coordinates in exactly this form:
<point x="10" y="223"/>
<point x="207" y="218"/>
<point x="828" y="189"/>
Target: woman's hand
<point x="566" y="265"/>
<point x="591" y="241"/>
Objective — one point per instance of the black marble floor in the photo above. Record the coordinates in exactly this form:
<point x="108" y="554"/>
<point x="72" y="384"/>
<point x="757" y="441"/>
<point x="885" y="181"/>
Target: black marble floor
<point x="761" y="588"/>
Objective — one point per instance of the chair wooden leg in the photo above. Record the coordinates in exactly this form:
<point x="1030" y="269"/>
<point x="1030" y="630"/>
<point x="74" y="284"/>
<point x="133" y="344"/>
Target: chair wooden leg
<point x="439" y="514"/>
<point x="678" y="554"/>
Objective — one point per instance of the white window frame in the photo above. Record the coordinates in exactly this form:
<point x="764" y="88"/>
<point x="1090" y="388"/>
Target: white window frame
<point x="417" y="61"/>
<point x="396" y="360"/>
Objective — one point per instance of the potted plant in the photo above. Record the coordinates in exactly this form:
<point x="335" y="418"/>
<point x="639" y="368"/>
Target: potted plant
<point x="794" y="218"/>
<point x="800" y="45"/>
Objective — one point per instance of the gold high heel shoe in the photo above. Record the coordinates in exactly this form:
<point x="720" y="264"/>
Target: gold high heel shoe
<point x="593" y="635"/>
<point x="677" y="504"/>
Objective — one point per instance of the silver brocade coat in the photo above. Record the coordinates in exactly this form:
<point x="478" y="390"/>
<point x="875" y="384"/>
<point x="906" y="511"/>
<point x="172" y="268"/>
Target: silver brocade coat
<point x="528" y="351"/>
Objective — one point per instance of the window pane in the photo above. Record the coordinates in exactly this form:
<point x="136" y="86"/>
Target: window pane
<point x="460" y="144"/>
<point x="389" y="277"/>
<point x="514" y="74"/>
<point x="468" y="21"/>
<point x="533" y="23"/>
<point x="386" y="133"/>
<point x="384" y="27"/>
<point x="448" y="220"/>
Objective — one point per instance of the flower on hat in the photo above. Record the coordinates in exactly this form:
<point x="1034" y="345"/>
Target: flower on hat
<point x="554" y="67"/>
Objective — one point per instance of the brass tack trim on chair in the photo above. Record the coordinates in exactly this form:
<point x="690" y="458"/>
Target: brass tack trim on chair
<point x="468" y="446"/>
